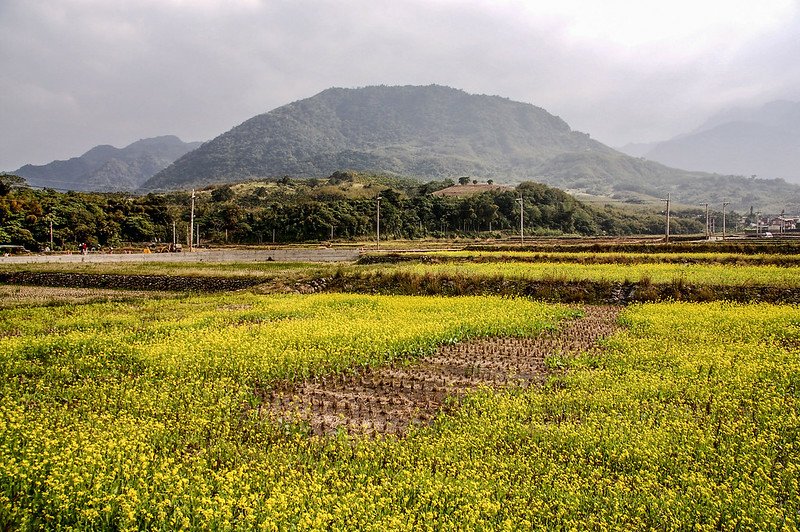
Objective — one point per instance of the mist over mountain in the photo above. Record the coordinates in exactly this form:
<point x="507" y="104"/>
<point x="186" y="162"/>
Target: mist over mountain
<point x="637" y="149"/>
<point x="106" y="168"/>
<point x="435" y="132"/>
<point x="763" y="141"/>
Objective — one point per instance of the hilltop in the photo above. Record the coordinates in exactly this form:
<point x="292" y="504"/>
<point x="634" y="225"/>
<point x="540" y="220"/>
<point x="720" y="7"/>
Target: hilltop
<point x="426" y="132"/>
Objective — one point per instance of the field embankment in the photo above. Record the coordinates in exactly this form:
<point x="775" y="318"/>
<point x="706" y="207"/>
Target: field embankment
<point x="588" y="291"/>
<point x="674" y="272"/>
<point x="171" y="283"/>
<point x="554" y="282"/>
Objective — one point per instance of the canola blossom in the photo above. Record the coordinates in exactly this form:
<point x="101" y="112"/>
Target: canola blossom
<point x="110" y="409"/>
<point x="689" y="418"/>
<point x="258" y="338"/>
<point x="701" y="274"/>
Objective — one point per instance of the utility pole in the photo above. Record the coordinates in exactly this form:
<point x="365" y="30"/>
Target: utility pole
<point x="708" y="234"/>
<point x="191" y="223"/>
<point x="198" y="235"/>
<point x="666" y="232"/>
<point x="724" y="204"/>
<point x="758" y="223"/>
<point x="51" y="235"/>
<point x="521" y="220"/>
<point x="174" y="234"/>
<point x="378" y="225"/>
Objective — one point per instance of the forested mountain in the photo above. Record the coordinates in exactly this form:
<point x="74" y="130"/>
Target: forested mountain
<point x="428" y="132"/>
<point x="764" y="141"/>
<point x="106" y="168"/>
<point x="437" y="132"/>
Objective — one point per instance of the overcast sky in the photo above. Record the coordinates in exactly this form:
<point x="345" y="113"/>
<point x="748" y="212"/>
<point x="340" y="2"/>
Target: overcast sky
<point x="77" y="73"/>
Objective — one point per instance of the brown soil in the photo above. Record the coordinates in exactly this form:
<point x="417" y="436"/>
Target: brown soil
<point x="388" y="400"/>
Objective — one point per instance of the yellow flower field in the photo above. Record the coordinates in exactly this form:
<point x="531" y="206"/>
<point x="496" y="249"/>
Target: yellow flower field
<point x="143" y="416"/>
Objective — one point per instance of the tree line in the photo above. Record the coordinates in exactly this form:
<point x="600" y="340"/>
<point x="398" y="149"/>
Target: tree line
<point x="341" y="207"/>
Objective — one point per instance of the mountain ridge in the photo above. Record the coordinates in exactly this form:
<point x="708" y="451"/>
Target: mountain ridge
<point x="762" y="141"/>
<point x="105" y="168"/>
<point x="428" y="132"/>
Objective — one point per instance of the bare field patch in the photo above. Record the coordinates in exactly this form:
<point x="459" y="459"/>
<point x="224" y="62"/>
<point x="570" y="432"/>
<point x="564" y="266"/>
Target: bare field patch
<point x="389" y="400"/>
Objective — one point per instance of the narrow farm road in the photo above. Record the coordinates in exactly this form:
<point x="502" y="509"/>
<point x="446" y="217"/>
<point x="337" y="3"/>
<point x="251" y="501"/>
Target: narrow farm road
<point x="389" y="399"/>
<point x="214" y="255"/>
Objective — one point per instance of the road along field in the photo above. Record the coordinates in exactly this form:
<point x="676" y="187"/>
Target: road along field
<point x="199" y="256"/>
<point x="160" y="414"/>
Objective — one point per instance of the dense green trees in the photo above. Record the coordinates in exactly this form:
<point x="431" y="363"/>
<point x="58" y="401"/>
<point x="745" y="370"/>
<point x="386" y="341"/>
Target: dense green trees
<point x="26" y="216"/>
<point x="287" y="210"/>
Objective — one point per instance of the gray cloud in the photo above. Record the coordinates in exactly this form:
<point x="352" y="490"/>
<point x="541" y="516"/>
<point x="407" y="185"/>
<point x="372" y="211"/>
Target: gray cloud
<point x="77" y="73"/>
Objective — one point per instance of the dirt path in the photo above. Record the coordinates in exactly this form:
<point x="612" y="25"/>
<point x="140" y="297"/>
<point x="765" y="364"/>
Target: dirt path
<point x="213" y="255"/>
<point x="387" y="400"/>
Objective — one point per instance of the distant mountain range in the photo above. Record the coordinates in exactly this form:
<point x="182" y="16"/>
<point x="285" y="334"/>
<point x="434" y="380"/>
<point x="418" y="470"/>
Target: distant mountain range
<point x="763" y="141"/>
<point x="435" y="132"/>
<point x="106" y="168"/>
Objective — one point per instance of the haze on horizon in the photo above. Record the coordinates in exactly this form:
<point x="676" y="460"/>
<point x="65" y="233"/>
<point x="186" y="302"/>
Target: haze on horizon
<point x="78" y="73"/>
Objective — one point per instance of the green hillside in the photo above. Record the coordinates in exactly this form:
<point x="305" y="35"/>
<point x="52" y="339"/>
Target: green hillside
<point x="636" y="180"/>
<point x="437" y="132"/>
<point x="428" y="132"/>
